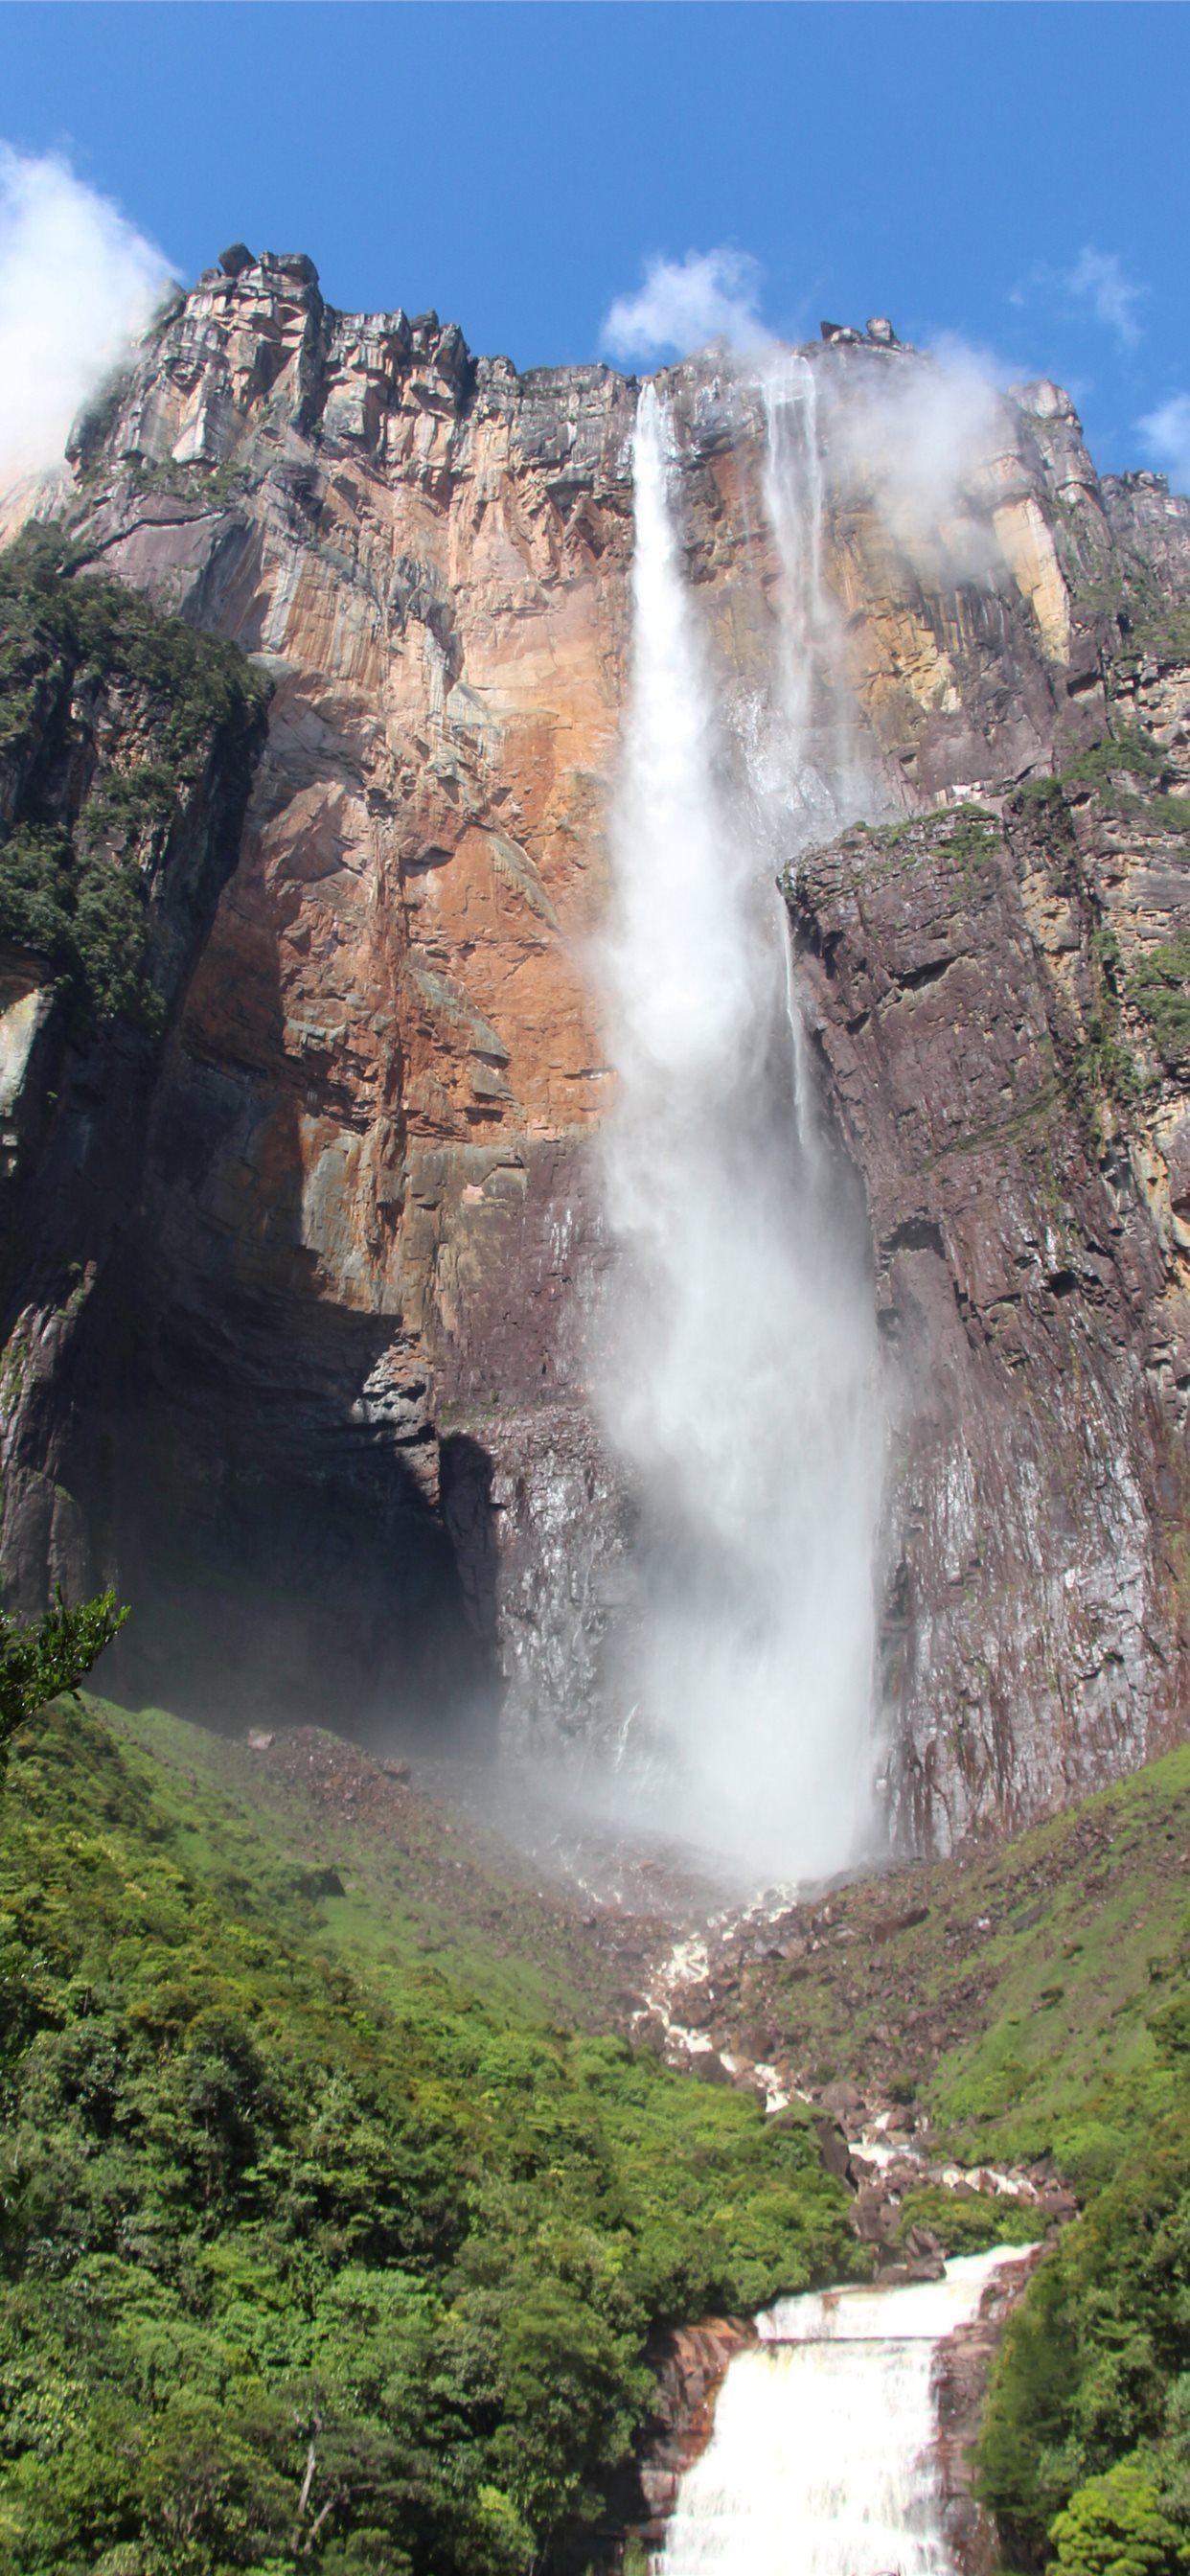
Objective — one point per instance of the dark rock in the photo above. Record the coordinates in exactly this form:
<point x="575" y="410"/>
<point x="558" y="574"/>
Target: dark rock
<point x="292" y="263"/>
<point x="833" y="2147"/>
<point x="892" y="1923"/>
<point x="923" y="2267"/>
<point x="708" y="2067"/>
<point x="320" y="1882"/>
<point x="842" y="2099"/>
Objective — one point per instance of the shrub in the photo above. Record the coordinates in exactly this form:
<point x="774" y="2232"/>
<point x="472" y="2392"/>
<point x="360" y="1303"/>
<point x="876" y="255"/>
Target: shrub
<point x="51" y="1656"/>
<point x="1160" y="988"/>
<point x="1114" y="2526"/>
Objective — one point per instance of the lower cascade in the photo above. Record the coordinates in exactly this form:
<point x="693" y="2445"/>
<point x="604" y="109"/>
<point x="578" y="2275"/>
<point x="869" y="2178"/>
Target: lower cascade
<point x="824" y="2458"/>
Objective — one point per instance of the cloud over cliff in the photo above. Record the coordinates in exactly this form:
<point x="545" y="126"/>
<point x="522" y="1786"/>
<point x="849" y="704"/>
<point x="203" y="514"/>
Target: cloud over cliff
<point x="1097" y="285"/>
<point x="709" y="295"/>
<point x="78" y="284"/>
<point x="1166" y="433"/>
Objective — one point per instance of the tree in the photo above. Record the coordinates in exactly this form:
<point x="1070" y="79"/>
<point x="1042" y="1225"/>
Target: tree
<point x="51" y="1656"/>
<point x="1114" y="2526"/>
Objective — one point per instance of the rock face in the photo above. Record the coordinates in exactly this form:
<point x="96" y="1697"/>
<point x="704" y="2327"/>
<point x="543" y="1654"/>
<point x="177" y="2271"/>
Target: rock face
<point x="125" y="766"/>
<point x="688" y="2374"/>
<point x="1032" y="1627"/>
<point x="362" y="1246"/>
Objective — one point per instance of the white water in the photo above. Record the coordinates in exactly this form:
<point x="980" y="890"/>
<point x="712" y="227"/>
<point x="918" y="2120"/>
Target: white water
<point x="810" y="761"/>
<point x="822" y="2461"/>
<point x="739" y="1380"/>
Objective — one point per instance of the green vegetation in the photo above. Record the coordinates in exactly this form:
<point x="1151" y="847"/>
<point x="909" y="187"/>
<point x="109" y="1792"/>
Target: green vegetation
<point x="1130" y="778"/>
<point x="966" y="2222"/>
<point x="1103" y="1066"/>
<point x="1160" y="988"/>
<point x="320" y="2266"/>
<point x="1115" y="2526"/>
<point x="1158" y="628"/>
<point x="74" y="888"/>
<point x="1156" y="625"/>
<point x="1037" y="2000"/>
<point x="1084" y="2056"/>
<point x="973" y="838"/>
<point x="969" y="832"/>
<point x="967" y="835"/>
<point x="1086" y="1945"/>
<point x="50" y="1656"/>
<point x="1016" y="2006"/>
<point x="1043" y="796"/>
<point x="1127" y="752"/>
<point x="1088" y="2417"/>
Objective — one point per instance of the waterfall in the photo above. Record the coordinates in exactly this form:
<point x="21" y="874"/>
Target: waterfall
<point x="824" y="2453"/>
<point x="738" y="1379"/>
<point x="813" y="760"/>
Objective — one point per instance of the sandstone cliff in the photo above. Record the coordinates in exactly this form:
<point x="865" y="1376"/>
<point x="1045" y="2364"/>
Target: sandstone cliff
<point x="362" y="1247"/>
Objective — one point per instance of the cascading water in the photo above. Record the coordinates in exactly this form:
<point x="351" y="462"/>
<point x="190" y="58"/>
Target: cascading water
<point x="739" y="1379"/>
<point x="810" y="764"/>
<point x="824" y="2452"/>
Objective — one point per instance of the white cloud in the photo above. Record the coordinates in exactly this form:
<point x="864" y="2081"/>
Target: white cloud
<point x="1099" y="281"/>
<point x="1166" y="433"/>
<point x="78" y="285"/>
<point x="709" y="295"/>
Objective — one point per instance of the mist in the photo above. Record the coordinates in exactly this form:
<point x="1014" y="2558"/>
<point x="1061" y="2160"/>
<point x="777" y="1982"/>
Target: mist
<point x="78" y="286"/>
<point x="919" y="440"/>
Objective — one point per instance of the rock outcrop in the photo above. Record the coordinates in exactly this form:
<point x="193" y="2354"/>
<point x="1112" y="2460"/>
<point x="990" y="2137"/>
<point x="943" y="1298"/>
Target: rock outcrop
<point x="363" y="1249"/>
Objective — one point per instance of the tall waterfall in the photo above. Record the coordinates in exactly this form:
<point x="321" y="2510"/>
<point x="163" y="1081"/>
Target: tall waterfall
<point x="739" y="1378"/>
<point x="824" y="2449"/>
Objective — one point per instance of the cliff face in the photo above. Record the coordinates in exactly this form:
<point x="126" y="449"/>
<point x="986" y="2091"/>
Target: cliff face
<point x="365" y="1246"/>
<point x="126" y="754"/>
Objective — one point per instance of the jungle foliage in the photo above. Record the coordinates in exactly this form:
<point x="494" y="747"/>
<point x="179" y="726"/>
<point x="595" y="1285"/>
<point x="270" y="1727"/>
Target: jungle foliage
<point x="1088" y="2423"/>
<point x="46" y="1656"/>
<point x="82" y="657"/>
<point x="306" y="2269"/>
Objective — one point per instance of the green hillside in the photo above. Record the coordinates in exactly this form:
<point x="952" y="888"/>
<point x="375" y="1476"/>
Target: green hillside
<point x="324" y="2251"/>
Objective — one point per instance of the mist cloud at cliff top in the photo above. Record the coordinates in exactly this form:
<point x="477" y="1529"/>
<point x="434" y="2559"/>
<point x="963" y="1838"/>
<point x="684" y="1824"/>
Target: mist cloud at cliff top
<point x="918" y="438"/>
<point x="78" y="285"/>
<point x="922" y="440"/>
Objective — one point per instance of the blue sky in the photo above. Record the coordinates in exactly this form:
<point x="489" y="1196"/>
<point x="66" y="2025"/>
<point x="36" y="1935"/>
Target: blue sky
<point x="1011" y="174"/>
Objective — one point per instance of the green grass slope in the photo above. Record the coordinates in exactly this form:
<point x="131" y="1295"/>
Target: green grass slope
<point x="1016" y="2009"/>
<point x="321" y="2249"/>
<point x="1033" y="2003"/>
